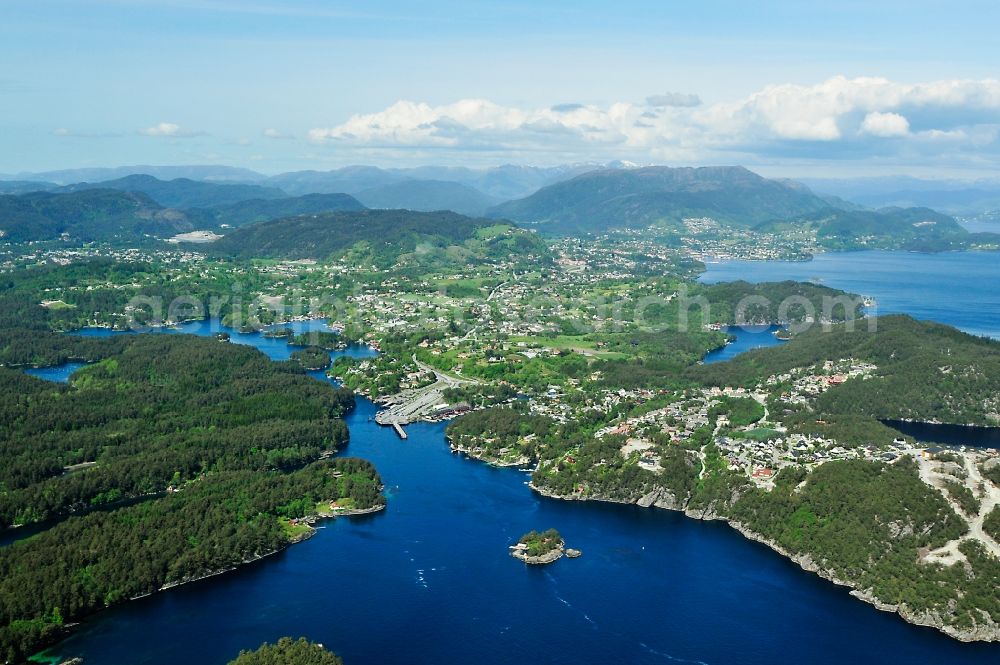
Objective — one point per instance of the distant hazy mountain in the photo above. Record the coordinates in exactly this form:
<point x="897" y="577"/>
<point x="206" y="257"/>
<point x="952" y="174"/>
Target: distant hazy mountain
<point x="375" y="236"/>
<point x="349" y="180"/>
<point x="206" y="173"/>
<point x="96" y="214"/>
<point x="183" y="192"/>
<point x="259" y="210"/>
<point x="504" y="182"/>
<point x="915" y="229"/>
<point x="25" y="186"/>
<point x="599" y="200"/>
<point x="501" y="182"/>
<point x="953" y="196"/>
<point x="428" y="195"/>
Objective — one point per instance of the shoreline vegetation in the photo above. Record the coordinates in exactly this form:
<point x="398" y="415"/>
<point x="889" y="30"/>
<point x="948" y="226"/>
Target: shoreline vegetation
<point x="662" y="500"/>
<point x="805" y="562"/>
<point x="287" y="651"/>
<point x="797" y="458"/>
<point x="301" y="536"/>
<point x="290" y="531"/>
<point x="232" y="449"/>
<point x="542" y="548"/>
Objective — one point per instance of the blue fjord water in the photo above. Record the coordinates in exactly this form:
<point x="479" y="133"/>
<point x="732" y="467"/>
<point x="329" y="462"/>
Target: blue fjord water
<point x="746" y="339"/>
<point x="429" y="581"/>
<point x="961" y="289"/>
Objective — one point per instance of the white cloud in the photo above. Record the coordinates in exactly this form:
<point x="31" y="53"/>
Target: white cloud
<point x="169" y="129"/>
<point x="839" y="117"/>
<point x="831" y="110"/>
<point x="885" y="125"/>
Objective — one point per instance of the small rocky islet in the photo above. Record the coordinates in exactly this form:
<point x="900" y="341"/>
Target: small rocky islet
<point x="540" y="548"/>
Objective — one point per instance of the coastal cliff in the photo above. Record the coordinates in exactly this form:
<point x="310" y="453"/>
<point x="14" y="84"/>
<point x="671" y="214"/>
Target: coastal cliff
<point x="987" y="631"/>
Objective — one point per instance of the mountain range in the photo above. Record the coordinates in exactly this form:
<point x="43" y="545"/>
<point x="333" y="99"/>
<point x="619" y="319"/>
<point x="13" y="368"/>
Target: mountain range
<point x="109" y="215"/>
<point x="501" y="182"/>
<point x="577" y="200"/>
<point x="428" y="195"/>
<point x="182" y="192"/>
<point x="608" y="199"/>
<point x="956" y="197"/>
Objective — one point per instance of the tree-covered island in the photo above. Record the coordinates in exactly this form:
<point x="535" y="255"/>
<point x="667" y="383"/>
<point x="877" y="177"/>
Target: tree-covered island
<point x="539" y="548"/>
<point x="287" y="651"/>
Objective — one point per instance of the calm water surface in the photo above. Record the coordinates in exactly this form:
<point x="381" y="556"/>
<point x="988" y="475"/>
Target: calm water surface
<point x="961" y="289"/>
<point x="429" y="581"/>
<point x="747" y="339"/>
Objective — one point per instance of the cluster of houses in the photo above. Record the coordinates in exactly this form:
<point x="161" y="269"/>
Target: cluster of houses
<point x="804" y="384"/>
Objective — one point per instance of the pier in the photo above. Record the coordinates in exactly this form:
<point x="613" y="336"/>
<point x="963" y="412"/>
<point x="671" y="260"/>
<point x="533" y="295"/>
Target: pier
<point x="399" y="429"/>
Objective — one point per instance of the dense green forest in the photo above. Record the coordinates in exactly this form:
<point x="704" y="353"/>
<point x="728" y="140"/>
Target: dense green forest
<point x="287" y="651"/>
<point x="220" y="521"/>
<point x="510" y="428"/>
<point x="162" y="411"/>
<point x="310" y="358"/>
<point x="217" y="441"/>
<point x="378" y="237"/>
<point x="94" y="214"/>
<point x="777" y="302"/>
<point x="926" y="371"/>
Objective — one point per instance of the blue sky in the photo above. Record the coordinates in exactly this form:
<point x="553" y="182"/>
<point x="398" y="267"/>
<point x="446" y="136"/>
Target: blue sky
<point x="787" y="88"/>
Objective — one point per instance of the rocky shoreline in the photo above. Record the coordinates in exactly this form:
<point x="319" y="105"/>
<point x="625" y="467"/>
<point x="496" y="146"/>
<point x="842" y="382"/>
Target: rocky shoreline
<point x="661" y="498"/>
<point x="541" y="560"/>
<point x="486" y="458"/>
<point x="345" y="513"/>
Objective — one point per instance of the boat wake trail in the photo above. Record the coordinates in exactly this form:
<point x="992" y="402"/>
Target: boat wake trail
<point x="646" y="647"/>
<point x="667" y="656"/>
<point x="555" y="592"/>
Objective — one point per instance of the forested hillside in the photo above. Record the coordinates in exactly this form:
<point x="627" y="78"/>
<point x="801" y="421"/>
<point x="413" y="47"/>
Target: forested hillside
<point x="163" y="412"/>
<point x="376" y="236"/>
<point x="214" y="524"/>
<point x="914" y="229"/>
<point x="613" y="198"/>
<point x="926" y="371"/>
<point x="213" y="443"/>
<point x="95" y="214"/>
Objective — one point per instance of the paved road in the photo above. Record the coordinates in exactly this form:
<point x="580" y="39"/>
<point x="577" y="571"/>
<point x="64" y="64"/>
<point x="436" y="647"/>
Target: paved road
<point x="412" y="405"/>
